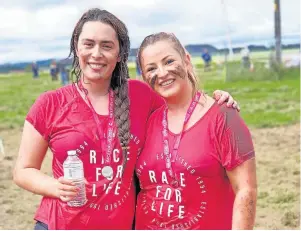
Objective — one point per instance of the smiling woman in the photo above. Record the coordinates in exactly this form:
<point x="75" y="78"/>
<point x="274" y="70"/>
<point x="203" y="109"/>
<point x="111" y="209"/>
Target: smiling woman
<point x="202" y="149"/>
<point x="103" y="117"/>
<point x="98" y="51"/>
<point x="154" y="66"/>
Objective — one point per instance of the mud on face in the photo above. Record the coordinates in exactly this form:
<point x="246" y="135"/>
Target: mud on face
<point x="175" y="70"/>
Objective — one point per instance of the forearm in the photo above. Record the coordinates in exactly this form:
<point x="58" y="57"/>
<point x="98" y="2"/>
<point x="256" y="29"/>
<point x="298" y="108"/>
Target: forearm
<point x="244" y="209"/>
<point x="36" y="182"/>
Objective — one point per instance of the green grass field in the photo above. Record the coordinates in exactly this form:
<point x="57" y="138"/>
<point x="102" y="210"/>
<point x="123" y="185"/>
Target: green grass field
<point x="263" y="103"/>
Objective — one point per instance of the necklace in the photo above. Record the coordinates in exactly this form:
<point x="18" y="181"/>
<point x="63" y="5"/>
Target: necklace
<point x="172" y="156"/>
<point x="107" y="170"/>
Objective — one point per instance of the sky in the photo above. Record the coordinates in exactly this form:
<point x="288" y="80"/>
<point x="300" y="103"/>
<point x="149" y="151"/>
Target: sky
<point x="41" y="29"/>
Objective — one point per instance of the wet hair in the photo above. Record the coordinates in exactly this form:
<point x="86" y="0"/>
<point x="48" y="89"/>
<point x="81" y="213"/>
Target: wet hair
<point x="163" y="36"/>
<point x="120" y="75"/>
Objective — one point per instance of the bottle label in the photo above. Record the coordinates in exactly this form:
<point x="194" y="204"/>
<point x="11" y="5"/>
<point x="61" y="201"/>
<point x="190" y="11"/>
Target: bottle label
<point x="73" y="171"/>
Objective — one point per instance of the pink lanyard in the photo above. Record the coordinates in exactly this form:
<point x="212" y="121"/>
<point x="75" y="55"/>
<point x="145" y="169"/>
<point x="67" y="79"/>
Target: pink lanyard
<point x="171" y="157"/>
<point x="109" y="137"/>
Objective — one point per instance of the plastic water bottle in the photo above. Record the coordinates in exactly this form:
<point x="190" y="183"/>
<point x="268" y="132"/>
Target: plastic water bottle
<point x="74" y="170"/>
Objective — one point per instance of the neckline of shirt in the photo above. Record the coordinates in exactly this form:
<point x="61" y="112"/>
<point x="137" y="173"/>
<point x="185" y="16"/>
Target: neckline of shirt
<point x="197" y="122"/>
<point x="78" y="95"/>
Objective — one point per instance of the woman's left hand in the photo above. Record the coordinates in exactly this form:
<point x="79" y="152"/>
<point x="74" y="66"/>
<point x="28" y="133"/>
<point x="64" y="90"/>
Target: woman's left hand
<point x="223" y="96"/>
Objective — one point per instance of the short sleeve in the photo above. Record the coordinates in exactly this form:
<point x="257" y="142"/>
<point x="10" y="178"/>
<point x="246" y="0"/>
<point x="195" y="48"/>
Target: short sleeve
<point x="236" y="144"/>
<point x="39" y="115"/>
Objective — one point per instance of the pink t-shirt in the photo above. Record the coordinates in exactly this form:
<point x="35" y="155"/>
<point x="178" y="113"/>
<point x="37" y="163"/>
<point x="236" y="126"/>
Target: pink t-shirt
<point x="219" y="141"/>
<point x="64" y="119"/>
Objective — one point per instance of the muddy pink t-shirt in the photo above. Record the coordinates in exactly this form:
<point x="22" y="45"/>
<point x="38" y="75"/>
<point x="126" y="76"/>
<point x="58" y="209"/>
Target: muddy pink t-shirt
<point x="204" y="198"/>
<point x="64" y="119"/>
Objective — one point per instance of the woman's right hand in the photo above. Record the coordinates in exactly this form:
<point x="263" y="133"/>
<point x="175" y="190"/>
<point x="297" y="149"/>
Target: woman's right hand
<point x="66" y="189"/>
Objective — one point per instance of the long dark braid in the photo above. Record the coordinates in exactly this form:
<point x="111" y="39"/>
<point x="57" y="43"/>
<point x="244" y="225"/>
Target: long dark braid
<point x="120" y="74"/>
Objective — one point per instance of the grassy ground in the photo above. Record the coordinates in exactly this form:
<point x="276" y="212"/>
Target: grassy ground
<point x="270" y="108"/>
<point x="263" y="103"/>
<point x="17" y="94"/>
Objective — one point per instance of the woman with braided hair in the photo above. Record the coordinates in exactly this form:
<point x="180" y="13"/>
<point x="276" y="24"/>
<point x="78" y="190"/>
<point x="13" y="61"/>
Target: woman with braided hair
<point x="103" y="117"/>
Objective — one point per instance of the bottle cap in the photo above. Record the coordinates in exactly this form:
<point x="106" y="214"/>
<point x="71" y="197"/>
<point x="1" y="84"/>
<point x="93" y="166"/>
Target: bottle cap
<point x="71" y="153"/>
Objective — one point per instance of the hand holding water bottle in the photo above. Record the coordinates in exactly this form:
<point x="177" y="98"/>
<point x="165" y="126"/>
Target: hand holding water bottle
<point x="67" y="189"/>
<point x="72" y="187"/>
